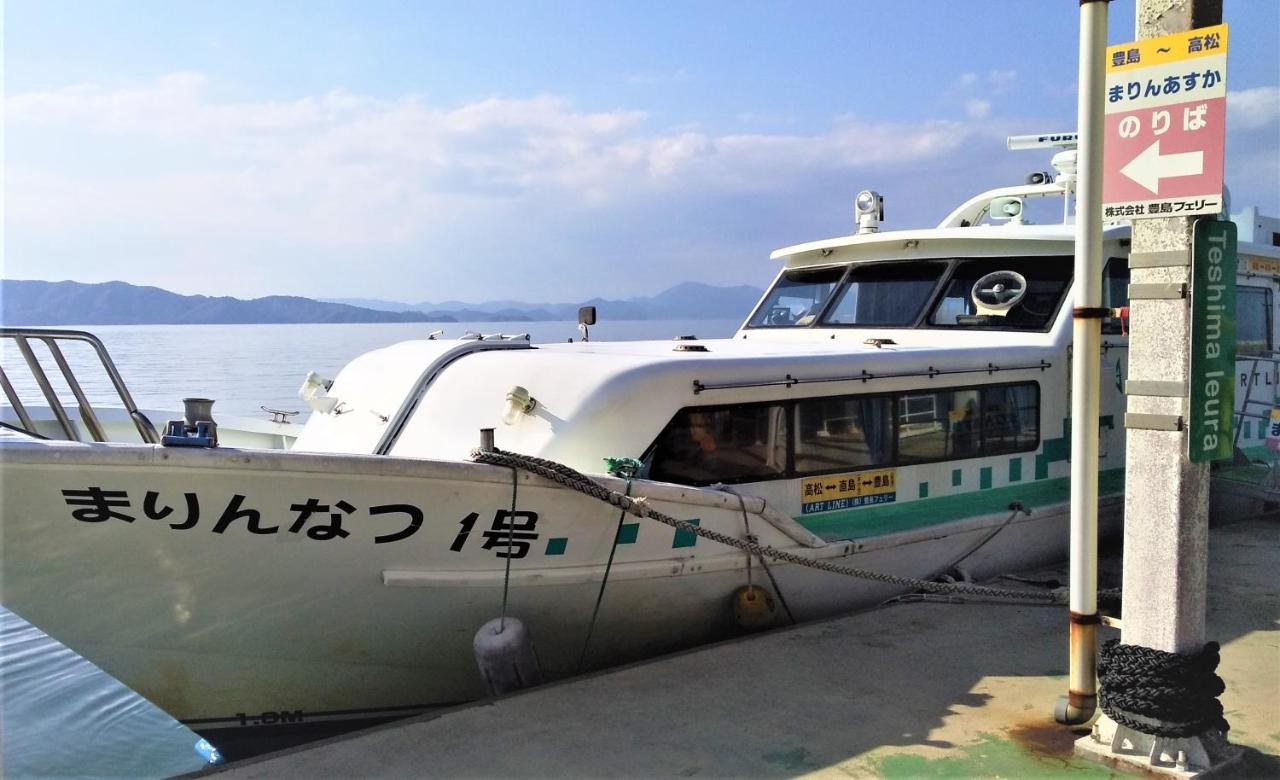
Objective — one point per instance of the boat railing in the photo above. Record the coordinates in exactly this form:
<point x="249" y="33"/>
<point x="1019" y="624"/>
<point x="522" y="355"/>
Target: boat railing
<point x="22" y="339"/>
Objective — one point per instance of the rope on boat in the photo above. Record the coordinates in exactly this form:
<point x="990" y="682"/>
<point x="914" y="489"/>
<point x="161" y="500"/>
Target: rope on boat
<point x="574" y="480"/>
<point x="511" y="524"/>
<point x="1159" y="693"/>
<point x="595" y="613"/>
<point x="750" y="537"/>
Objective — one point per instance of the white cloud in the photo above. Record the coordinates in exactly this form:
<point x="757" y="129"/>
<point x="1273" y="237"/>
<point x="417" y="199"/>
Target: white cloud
<point x="977" y="109"/>
<point x="351" y="169"/>
<point x="995" y="82"/>
<point x="1250" y="109"/>
<point x="367" y="194"/>
<point x="1002" y="80"/>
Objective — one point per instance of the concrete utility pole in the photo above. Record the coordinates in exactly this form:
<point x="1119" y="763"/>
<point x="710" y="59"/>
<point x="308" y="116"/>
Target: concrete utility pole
<point x="1166" y="530"/>
<point x="1166" y="542"/>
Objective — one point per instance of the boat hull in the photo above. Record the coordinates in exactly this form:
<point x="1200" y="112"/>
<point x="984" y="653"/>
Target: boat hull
<point x="231" y="612"/>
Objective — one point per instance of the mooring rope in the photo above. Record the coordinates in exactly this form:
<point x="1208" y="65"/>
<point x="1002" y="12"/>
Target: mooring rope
<point x="511" y="525"/>
<point x="750" y="537"/>
<point x="569" y="478"/>
<point x="1159" y="693"/>
<point x="595" y="613"/>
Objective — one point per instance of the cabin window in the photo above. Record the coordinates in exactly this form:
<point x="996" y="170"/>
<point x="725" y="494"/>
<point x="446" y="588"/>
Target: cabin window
<point x="785" y="439"/>
<point x="891" y="294"/>
<point x="1253" y="320"/>
<point x="1047" y="282"/>
<point x="956" y="424"/>
<point x="727" y="444"/>
<point x="1115" y="291"/>
<point x="850" y="432"/>
<point x="797" y="298"/>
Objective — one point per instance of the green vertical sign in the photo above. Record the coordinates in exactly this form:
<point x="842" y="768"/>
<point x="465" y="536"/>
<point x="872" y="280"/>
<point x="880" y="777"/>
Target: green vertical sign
<point x="1213" y="340"/>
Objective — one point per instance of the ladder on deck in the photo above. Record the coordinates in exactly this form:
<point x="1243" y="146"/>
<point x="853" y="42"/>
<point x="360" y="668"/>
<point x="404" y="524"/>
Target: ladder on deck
<point x="22" y="338"/>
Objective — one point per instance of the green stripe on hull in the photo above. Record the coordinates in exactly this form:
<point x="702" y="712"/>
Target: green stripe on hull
<point x="1258" y="452"/>
<point x="892" y="518"/>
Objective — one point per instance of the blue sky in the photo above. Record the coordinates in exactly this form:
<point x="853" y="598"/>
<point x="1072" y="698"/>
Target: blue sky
<point x="545" y="151"/>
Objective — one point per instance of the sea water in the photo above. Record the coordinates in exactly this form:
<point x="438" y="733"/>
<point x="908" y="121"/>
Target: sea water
<point x="61" y="716"/>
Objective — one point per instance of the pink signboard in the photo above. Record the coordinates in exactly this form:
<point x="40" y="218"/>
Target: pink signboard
<point x="1166" y="112"/>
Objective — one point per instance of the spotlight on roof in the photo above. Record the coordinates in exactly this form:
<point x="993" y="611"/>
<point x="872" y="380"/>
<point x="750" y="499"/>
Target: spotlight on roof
<point x="869" y="209"/>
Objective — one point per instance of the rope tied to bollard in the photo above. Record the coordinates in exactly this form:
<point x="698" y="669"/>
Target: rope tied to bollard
<point x="570" y="478"/>
<point x="1159" y="693"/>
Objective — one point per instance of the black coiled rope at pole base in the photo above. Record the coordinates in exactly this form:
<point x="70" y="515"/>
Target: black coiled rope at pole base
<point x="1161" y="694"/>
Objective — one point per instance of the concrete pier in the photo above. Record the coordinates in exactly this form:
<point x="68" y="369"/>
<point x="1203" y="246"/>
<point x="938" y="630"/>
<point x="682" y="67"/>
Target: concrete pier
<point x="917" y="688"/>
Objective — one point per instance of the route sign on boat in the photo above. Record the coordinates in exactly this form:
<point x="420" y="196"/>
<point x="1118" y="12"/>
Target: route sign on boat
<point x="1166" y="112"/>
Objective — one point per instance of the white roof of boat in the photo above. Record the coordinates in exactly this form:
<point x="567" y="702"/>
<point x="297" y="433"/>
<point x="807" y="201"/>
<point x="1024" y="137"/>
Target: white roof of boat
<point x="1000" y="239"/>
<point x="937" y="343"/>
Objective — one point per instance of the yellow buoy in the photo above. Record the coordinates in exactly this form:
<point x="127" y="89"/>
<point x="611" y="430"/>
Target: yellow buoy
<point x="753" y="607"/>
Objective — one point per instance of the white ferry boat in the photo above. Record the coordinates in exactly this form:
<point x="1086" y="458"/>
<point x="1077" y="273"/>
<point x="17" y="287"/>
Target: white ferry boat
<point x="896" y="402"/>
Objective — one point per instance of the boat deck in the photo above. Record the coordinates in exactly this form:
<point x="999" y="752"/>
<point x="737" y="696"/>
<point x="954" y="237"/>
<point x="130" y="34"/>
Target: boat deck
<point x="915" y="689"/>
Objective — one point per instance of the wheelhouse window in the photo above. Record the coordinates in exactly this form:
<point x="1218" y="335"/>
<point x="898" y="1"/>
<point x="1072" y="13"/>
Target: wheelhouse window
<point x="890" y="294"/>
<point x="1047" y="279"/>
<point x="810" y="436"/>
<point x="728" y="444"/>
<point x="1253" y="320"/>
<point x="899" y="294"/>
<point x="797" y="298"/>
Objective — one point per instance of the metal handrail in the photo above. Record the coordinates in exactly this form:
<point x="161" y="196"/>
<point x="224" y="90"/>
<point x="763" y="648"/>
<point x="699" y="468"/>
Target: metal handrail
<point x="49" y="337"/>
<point x="701" y="387"/>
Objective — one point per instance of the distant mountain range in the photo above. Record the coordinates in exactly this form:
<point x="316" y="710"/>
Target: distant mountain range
<point x="689" y="300"/>
<point x="31" y="302"/>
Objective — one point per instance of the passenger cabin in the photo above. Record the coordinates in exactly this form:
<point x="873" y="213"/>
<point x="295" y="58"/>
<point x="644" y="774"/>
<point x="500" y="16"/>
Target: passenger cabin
<point x="880" y="367"/>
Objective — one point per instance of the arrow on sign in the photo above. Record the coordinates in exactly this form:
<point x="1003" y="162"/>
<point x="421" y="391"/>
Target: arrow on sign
<point x="1149" y="167"/>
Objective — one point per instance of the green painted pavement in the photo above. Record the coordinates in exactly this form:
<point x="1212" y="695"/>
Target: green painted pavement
<point x="992" y="756"/>
<point x="891" y="518"/>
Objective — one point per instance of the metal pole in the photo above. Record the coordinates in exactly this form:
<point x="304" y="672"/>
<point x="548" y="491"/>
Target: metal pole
<point x="87" y="415"/>
<point x="1086" y="359"/>
<point x="1166" y="499"/>
<point x="50" y="395"/>
<point x="16" y="403"/>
